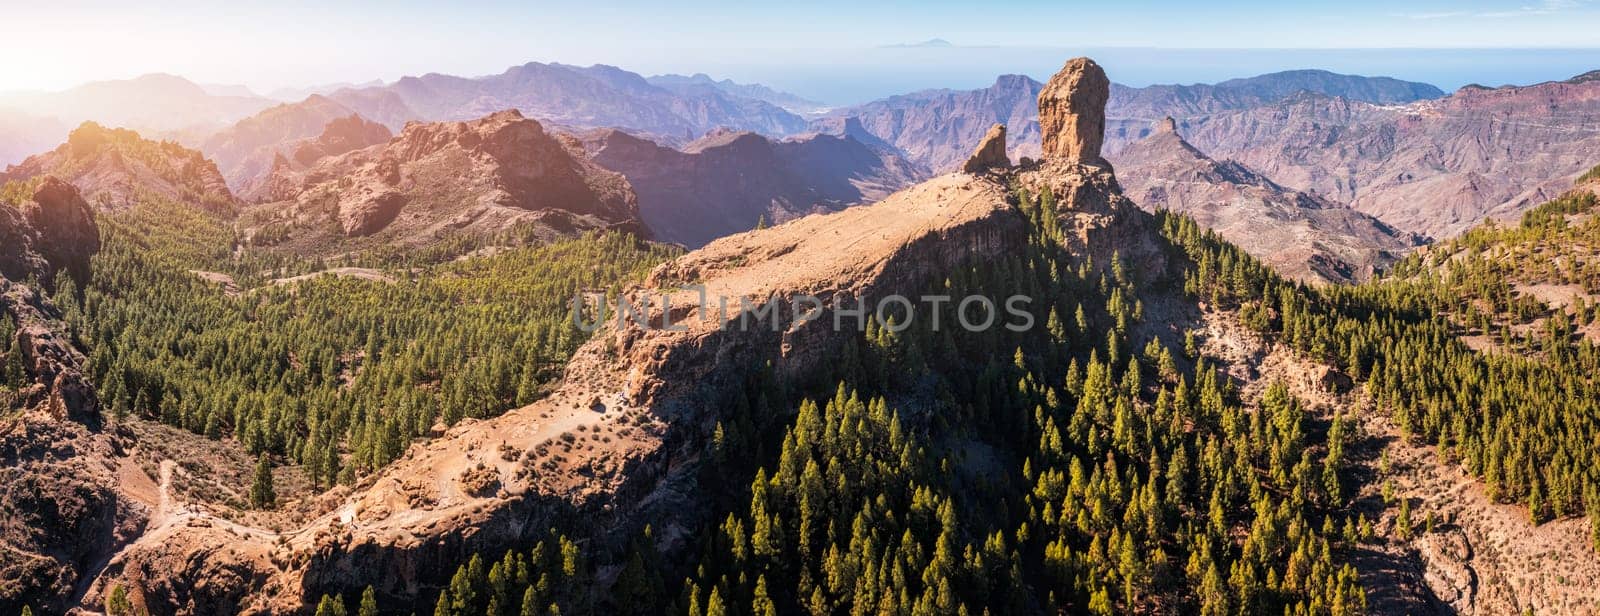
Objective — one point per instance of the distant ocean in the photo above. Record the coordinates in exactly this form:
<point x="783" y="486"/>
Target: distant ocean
<point x="844" y="77"/>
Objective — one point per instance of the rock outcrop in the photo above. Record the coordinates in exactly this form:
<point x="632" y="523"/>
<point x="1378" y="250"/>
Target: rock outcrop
<point x="729" y="182"/>
<point x="290" y="159"/>
<point x="54" y="231"/>
<point x="440" y="179"/>
<point x="991" y="152"/>
<point x="114" y="168"/>
<point x="1072" y="120"/>
<point x="341" y="135"/>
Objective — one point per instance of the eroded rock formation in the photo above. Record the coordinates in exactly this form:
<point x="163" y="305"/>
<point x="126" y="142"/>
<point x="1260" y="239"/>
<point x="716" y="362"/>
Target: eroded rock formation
<point x="1072" y="112"/>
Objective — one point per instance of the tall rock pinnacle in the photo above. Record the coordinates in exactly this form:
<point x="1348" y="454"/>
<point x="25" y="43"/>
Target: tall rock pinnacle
<point x="1072" y="112"/>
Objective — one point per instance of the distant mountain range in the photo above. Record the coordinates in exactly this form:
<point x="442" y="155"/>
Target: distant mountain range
<point x="1436" y="167"/>
<point x="156" y="104"/>
<point x="1424" y="163"/>
<point x="938" y="128"/>
<point x="1301" y="235"/>
<point x="1404" y="152"/>
<point x="754" y="91"/>
<point x="671" y="109"/>
<point x="572" y="96"/>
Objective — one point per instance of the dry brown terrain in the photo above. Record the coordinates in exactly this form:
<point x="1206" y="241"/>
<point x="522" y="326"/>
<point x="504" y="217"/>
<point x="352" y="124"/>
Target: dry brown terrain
<point x="600" y="444"/>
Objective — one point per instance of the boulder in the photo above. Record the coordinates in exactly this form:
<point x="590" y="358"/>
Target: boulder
<point x="991" y="152"/>
<point x="1072" y="112"/>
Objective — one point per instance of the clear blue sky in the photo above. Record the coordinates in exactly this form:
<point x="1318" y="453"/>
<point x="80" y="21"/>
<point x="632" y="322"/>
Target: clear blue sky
<point x="265" y="45"/>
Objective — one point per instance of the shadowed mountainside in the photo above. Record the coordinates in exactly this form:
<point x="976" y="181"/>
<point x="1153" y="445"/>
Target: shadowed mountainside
<point x="730" y="181"/>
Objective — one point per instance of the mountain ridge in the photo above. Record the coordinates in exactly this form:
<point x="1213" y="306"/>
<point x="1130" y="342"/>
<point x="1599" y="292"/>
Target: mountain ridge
<point x="732" y="181"/>
<point x="597" y="96"/>
<point x="1303" y="236"/>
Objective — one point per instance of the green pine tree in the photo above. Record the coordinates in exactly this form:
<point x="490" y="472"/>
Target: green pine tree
<point x="262" y="496"/>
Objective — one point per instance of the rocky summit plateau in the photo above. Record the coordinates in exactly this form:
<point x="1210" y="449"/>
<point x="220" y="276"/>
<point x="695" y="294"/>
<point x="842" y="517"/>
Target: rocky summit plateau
<point x="748" y="337"/>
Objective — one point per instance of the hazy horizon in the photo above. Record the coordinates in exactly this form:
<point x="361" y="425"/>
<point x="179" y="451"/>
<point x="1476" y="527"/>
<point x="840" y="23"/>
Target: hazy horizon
<point x="889" y="70"/>
<point x="834" y="52"/>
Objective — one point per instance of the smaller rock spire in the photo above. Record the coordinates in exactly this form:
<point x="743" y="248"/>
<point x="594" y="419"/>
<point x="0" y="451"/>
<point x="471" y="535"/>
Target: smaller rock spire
<point x="991" y="152"/>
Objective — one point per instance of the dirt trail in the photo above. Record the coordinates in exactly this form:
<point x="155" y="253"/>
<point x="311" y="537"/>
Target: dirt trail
<point x="164" y="508"/>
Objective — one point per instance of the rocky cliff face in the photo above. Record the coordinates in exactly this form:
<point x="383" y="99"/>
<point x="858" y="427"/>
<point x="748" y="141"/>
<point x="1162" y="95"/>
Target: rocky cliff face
<point x="437" y="179"/>
<point x="1301" y="235"/>
<point x="114" y="168"/>
<point x="53" y="231"/>
<point x="60" y="510"/>
<point x="729" y="181"/>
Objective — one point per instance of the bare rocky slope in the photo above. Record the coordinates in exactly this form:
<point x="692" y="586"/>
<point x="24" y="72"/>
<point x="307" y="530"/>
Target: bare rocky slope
<point x="288" y="159"/>
<point x="434" y="180"/>
<point x="1303" y="236"/>
<point x="643" y="390"/>
<point x="115" y="167"/>
<point x="728" y="181"/>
